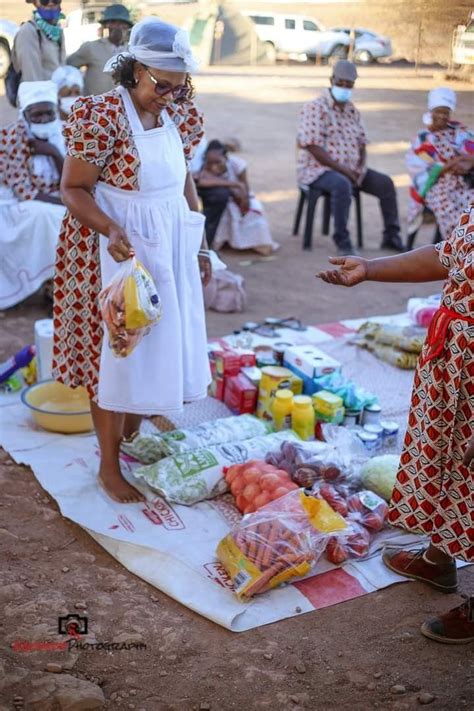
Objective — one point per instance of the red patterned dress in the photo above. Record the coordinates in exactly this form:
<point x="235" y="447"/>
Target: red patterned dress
<point x="434" y="492"/>
<point x="98" y="132"/>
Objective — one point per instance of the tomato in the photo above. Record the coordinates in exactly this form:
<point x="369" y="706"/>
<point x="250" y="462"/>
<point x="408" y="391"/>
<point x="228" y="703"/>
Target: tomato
<point x="279" y="492"/>
<point x="268" y="482"/>
<point x="241" y="502"/>
<point x="237" y="486"/>
<point x="335" y="552"/>
<point x="251" y="491"/>
<point x="262" y="499"/>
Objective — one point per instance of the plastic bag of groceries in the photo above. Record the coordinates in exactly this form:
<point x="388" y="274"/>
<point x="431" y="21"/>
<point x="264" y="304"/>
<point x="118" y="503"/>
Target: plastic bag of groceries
<point x="351" y="542"/>
<point x="279" y="542"/>
<point x="193" y="476"/>
<point x="130" y="306"/>
<point x="149" y="448"/>
<point x="368" y="509"/>
<point x="337" y="460"/>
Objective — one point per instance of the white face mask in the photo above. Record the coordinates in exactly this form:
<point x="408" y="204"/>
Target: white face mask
<point x="66" y="103"/>
<point x="46" y="130"/>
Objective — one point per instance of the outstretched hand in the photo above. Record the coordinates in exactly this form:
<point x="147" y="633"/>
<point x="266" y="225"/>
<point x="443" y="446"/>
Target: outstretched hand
<point x="351" y="271"/>
<point x="468" y="460"/>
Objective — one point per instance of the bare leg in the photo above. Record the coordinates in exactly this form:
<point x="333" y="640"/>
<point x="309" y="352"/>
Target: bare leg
<point x="109" y="428"/>
<point x="131" y="425"/>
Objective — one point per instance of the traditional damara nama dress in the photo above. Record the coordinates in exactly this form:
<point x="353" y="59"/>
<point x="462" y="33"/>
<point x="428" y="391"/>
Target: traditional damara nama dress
<point x="434" y="492"/>
<point x="141" y="187"/>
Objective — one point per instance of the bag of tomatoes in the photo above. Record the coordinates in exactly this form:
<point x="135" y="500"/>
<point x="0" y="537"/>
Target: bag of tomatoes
<point x="254" y="484"/>
<point x="369" y="509"/>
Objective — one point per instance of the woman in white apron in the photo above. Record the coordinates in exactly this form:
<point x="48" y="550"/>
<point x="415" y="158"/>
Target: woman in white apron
<point x="128" y="192"/>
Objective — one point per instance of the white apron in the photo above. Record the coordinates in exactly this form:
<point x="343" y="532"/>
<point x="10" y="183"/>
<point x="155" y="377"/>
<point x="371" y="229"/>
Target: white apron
<point x="170" y="365"/>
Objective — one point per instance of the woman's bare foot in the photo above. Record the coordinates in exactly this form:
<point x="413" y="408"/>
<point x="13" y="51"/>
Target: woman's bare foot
<point x="163" y="423"/>
<point x="118" y="488"/>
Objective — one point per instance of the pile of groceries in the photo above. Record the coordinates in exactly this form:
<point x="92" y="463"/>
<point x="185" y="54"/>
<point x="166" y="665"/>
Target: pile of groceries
<point x="298" y="388"/>
<point x="300" y="500"/>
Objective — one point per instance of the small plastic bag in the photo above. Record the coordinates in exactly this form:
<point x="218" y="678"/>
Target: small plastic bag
<point x="368" y="509"/>
<point x="281" y="541"/>
<point x="352" y="542"/>
<point x="130" y="306"/>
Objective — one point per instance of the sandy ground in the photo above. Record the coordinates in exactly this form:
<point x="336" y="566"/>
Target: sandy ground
<point x="353" y="653"/>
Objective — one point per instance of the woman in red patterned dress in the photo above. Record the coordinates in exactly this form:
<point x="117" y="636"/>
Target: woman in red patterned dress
<point x="129" y="193"/>
<point x="434" y="491"/>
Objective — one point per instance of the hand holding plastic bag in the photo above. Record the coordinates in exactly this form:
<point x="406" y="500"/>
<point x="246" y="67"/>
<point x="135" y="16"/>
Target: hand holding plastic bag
<point x="130" y="306"/>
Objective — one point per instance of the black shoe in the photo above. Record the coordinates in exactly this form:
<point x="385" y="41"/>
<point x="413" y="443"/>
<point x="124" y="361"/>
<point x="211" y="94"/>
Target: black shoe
<point x="394" y="245"/>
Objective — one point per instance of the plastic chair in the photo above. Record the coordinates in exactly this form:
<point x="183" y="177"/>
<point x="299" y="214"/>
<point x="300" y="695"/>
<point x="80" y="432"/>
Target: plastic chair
<point x="311" y="196"/>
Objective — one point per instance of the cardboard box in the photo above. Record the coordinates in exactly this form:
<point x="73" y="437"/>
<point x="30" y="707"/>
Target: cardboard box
<point x="310" y="362"/>
<point x="227" y="363"/>
<point x="240" y="395"/>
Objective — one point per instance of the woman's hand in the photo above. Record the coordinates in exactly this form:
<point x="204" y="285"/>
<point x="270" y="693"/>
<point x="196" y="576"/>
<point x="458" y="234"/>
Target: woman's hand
<point x="119" y="247"/>
<point x="205" y="268"/>
<point x="41" y="147"/>
<point x="352" y="271"/>
<point x="468" y="460"/>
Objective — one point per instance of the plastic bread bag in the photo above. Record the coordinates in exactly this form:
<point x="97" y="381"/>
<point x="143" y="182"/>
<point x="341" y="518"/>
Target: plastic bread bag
<point x="190" y="477"/>
<point x="130" y="306"/>
<point x="352" y="542"/>
<point x="149" y="448"/>
<point x="337" y="460"/>
<point x="279" y="542"/>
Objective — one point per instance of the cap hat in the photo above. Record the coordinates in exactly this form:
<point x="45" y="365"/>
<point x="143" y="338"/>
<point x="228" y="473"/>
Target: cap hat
<point x="345" y="70"/>
<point x="117" y="13"/>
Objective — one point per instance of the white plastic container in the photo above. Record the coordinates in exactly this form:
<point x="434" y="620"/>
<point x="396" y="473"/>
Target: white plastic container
<point x="44" y="347"/>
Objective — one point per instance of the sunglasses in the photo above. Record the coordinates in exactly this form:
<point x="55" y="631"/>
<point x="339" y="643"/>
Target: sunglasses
<point x="179" y="93"/>
<point x="44" y="3"/>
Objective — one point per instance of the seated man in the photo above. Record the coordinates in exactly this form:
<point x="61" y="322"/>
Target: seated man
<point x="31" y="211"/>
<point x="332" y="156"/>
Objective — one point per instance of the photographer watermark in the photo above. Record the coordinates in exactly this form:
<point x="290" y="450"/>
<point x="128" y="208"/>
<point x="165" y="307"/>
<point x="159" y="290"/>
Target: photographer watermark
<point x="75" y="627"/>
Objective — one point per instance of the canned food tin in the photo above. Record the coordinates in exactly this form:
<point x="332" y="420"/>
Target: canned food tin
<point x="390" y="433"/>
<point x="351" y="418"/>
<point x="370" y="441"/>
<point x="377" y="430"/>
<point x="372" y="415"/>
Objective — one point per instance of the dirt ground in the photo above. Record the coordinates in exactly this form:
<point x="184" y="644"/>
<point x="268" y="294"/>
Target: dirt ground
<point x="362" y="654"/>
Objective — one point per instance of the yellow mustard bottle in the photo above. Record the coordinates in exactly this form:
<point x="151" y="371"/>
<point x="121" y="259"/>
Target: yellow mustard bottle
<point x="302" y="417"/>
<point x="281" y="409"/>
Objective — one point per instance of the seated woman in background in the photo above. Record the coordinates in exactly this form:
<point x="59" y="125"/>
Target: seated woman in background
<point x="70" y="84"/>
<point x="441" y="164"/>
<point x="31" y="211"/>
<point x="233" y="214"/>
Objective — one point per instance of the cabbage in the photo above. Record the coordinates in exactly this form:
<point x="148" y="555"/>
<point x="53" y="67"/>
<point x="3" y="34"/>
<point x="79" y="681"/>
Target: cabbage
<point x="379" y="474"/>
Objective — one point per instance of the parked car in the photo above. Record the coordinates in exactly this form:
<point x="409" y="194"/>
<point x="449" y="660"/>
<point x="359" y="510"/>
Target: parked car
<point x="8" y="30"/>
<point x="463" y="43"/>
<point x="306" y="38"/>
<point x="369" y="46"/>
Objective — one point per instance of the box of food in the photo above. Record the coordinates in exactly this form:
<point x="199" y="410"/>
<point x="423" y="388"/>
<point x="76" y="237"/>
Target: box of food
<point x="227" y="363"/>
<point x="240" y="395"/>
<point x="310" y="362"/>
<point x="327" y="403"/>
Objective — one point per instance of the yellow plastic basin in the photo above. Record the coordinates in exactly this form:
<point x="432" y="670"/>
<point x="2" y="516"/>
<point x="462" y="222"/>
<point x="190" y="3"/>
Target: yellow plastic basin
<point x="57" y="408"/>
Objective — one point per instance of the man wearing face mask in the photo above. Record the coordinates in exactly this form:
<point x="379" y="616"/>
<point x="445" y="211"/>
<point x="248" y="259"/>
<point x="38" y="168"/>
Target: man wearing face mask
<point x="31" y="161"/>
<point x="94" y="55"/>
<point x="332" y="156"/>
<point x="38" y="48"/>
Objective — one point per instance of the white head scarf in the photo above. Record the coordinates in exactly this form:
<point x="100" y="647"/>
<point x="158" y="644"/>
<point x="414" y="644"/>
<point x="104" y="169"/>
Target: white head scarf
<point x="36" y="92"/>
<point x="441" y="97"/>
<point x="68" y="77"/>
<point x="159" y="45"/>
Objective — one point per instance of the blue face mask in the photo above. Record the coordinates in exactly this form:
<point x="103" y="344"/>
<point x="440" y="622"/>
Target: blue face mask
<point x="49" y="14"/>
<point x="340" y="93"/>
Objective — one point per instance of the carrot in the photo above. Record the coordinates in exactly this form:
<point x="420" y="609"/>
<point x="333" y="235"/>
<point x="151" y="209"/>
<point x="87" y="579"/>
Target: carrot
<point x="268" y="552"/>
<point x="260" y="584"/>
<point x="253" y="546"/>
<point x="263" y="534"/>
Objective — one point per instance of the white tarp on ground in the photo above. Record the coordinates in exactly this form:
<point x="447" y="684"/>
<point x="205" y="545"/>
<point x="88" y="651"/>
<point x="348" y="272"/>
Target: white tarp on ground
<point x="173" y="547"/>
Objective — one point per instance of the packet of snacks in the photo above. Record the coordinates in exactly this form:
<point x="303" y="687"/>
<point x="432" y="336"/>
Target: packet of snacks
<point x="130" y="305"/>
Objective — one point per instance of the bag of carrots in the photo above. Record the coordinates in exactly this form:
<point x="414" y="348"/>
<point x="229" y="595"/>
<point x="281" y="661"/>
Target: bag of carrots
<point x="129" y="305"/>
<point x="281" y="541"/>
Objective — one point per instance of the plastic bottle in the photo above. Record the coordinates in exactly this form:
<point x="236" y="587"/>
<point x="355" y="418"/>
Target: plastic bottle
<point x="302" y="417"/>
<point x="281" y="409"/>
<point x="19" y="360"/>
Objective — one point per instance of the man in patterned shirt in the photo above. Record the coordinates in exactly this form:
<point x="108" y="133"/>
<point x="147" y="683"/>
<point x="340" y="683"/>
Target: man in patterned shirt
<point x="332" y="156"/>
